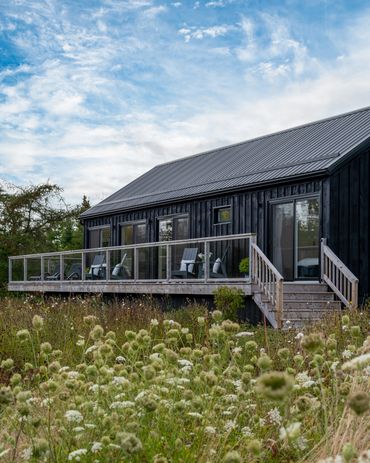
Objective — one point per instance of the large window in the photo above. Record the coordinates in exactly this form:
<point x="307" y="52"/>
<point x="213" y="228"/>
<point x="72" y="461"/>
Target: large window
<point x="173" y="228"/>
<point x="133" y="233"/>
<point x="99" y="237"/>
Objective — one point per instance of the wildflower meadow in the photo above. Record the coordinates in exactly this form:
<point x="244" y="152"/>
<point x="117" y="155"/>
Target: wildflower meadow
<point x="81" y="382"/>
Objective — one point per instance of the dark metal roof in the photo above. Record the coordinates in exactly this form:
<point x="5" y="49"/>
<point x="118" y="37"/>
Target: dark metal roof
<point x="307" y="149"/>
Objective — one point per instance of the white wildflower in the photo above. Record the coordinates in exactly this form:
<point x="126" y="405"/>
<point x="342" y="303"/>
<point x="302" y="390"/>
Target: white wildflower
<point x="80" y="343"/>
<point x="77" y="454"/>
<point x="78" y="429"/>
<point x="63" y="369"/>
<point x="73" y="416"/>
<point x="229" y="425"/>
<point x="358" y="362"/>
<point x="237" y="350"/>
<point x="304" y="380"/>
<point x="91" y="349"/>
<point x="262" y="422"/>
<point x="210" y="430"/>
<point x="299" y="336"/>
<point x="246" y="431"/>
<point x="291" y="432"/>
<point x="120" y="381"/>
<point x="73" y="374"/>
<point x="27" y="454"/>
<point x="347" y="354"/>
<point x="195" y="414"/>
<point x="154" y="322"/>
<point x="185" y="363"/>
<point x="120" y="359"/>
<point x="96" y="447"/>
<point x="121" y="405"/>
<point x="231" y="398"/>
<point x="243" y="334"/>
<point x="274" y="416"/>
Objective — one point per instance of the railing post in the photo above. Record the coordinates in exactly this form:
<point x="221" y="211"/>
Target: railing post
<point x="168" y="262"/>
<point x="136" y="264"/>
<point x="10" y="270"/>
<point x="42" y="273"/>
<point x="322" y="257"/>
<point x="107" y="265"/>
<point x="24" y="268"/>
<point x="61" y="257"/>
<point x="252" y="269"/>
<point x="279" y="303"/>
<point x="354" y="294"/>
<point x="83" y="265"/>
<point x="206" y="262"/>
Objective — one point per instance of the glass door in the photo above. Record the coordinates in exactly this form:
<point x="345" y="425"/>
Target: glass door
<point x="295" y="238"/>
<point x="282" y="238"/>
<point x="307" y="238"/>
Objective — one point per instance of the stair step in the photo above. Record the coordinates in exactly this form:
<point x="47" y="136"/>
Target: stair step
<point x="312" y="305"/>
<point x="305" y="288"/>
<point x="304" y="296"/>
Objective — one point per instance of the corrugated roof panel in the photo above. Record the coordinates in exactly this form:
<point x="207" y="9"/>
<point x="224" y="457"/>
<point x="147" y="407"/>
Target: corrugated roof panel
<point x="305" y="149"/>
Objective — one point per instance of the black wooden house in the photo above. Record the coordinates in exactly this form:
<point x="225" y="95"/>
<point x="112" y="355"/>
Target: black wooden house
<point x="302" y="192"/>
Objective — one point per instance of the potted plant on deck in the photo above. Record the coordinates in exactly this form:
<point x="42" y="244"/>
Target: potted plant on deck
<point x="244" y="266"/>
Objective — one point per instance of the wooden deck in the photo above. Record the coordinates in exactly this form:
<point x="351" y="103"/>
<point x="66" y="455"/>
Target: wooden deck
<point x="173" y="287"/>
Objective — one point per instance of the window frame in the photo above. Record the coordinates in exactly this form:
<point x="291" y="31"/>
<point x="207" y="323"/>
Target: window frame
<point x="100" y="229"/>
<point x="215" y="215"/>
<point x="172" y="217"/>
<point x="132" y="223"/>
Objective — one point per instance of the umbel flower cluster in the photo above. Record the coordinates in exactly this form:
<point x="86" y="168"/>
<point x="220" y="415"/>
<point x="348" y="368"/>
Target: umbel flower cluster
<point x="162" y="396"/>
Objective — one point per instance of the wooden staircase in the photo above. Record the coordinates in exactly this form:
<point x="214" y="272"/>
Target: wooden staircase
<point x="303" y="303"/>
<point x="297" y="303"/>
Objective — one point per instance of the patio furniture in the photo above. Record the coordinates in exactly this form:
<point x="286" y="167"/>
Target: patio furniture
<point x="187" y="265"/>
<point x="75" y="272"/>
<point x="218" y="269"/>
<point x="97" y="268"/>
<point x="121" y="270"/>
<point x="47" y="275"/>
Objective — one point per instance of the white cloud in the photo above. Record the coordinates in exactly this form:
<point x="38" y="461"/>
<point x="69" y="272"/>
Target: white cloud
<point x="203" y="32"/>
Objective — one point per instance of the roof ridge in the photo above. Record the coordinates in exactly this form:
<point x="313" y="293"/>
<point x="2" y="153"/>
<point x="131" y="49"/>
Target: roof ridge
<point x="261" y="137"/>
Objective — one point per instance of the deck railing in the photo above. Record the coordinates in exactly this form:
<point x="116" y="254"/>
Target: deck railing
<point x="213" y="259"/>
<point x="269" y="281"/>
<point x="338" y="277"/>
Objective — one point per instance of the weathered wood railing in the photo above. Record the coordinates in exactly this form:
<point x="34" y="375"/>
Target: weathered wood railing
<point x="338" y="277"/>
<point x="269" y="281"/>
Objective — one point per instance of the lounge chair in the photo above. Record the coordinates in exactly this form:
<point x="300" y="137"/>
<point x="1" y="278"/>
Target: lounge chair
<point x="74" y="272"/>
<point x="187" y="265"/>
<point x="121" y="271"/>
<point x="47" y="276"/>
<point x="97" y="268"/>
<point x="218" y="266"/>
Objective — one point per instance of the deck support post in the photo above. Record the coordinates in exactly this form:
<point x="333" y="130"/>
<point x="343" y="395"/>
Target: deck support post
<point x="252" y="269"/>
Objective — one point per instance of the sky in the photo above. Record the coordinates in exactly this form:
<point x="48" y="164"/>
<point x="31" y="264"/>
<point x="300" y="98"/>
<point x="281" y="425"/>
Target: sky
<point x="93" y="93"/>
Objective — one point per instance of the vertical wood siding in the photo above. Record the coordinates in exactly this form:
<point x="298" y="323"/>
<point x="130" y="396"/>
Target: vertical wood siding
<point x="250" y="212"/>
<point x="349" y="233"/>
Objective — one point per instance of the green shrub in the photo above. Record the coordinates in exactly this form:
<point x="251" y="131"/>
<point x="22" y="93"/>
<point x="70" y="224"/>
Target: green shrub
<point x="244" y="266"/>
<point x="229" y="300"/>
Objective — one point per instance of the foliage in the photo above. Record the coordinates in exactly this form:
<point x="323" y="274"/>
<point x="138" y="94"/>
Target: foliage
<point x="229" y="301"/>
<point x="244" y="266"/>
<point x="154" y="390"/>
<point x="36" y="219"/>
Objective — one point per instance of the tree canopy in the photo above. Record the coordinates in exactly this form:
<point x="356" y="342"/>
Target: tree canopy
<point x="36" y="218"/>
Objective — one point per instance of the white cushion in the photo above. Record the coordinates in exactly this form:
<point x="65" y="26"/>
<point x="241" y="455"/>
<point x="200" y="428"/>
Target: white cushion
<point x="187" y="265"/>
<point x="117" y="270"/>
<point x="216" y="265"/>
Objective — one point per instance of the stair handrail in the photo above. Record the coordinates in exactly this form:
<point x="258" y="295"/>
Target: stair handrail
<point x="269" y="281"/>
<point x="338" y="276"/>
